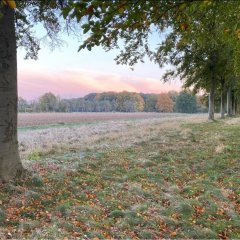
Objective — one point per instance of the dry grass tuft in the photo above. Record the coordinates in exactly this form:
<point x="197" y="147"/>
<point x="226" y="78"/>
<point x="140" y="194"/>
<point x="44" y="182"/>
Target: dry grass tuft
<point x="220" y="148"/>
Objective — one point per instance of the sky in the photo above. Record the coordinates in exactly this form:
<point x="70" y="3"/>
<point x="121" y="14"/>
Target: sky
<point x="69" y="74"/>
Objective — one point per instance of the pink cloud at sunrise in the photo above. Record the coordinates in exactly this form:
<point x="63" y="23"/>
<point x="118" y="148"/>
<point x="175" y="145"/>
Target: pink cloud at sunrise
<point x="77" y="83"/>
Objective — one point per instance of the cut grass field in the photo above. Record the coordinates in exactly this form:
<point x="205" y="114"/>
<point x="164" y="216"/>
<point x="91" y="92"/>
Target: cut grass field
<point x="148" y="178"/>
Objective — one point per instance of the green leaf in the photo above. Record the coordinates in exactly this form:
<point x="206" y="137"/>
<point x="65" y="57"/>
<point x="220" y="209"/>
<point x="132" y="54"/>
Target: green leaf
<point x="89" y="47"/>
<point x="86" y="28"/>
<point x="81" y="47"/>
<point x="65" y="12"/>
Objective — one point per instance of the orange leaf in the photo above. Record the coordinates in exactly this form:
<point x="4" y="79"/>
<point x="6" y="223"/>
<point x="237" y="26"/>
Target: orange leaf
<point x="173" y="234"/>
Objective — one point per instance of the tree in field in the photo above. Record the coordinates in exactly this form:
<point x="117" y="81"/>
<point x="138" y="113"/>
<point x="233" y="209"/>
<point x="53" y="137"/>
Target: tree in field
<point x="186" y="102"/>
<point x="164" y="103"/>
<point x="9" y="158"/>
<point x="204" y="47"/>
<point x="193" y="28"/>
<point x="202" y="103"/>
<point x="63" y="106"/>
<point x="22" y="104"/>
<point x="48" y="102"/>
<point x="150" y="101"/>
<point x="15" y="31"/>
<point x="196" y="33"/>
<point x="107" y="98"/>
<point x="173" y="95"/>
<point x="105" y="106"/>
<point x="129" y="102"/>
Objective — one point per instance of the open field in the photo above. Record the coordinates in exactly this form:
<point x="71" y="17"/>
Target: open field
<point x="43" y="133"/>
<point x="147" y="178"/>
<point x="36" y="119"/>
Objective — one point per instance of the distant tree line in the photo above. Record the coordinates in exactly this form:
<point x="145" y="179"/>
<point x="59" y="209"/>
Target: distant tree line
<point x="184" y="102"/>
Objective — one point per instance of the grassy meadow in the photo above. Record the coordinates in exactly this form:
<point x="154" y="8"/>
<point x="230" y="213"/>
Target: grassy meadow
<point x="176" y="176"/>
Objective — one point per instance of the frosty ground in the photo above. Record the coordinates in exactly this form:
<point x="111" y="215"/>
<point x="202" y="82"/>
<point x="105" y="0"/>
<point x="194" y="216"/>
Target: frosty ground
<point x="161" y="176"/>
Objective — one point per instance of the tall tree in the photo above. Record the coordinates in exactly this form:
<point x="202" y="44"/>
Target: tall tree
<point x="195" y="34"/>
<point x="164" y="103"/>
<point x="22" y="104"/>
<point x="195" y="47"/>
<point x="10" y="164"/>
<point x="150" y="101"/>
<point x="186" y="102"/>
<point x="48" y="102"/>
<point x="129" y="102"/>
<point x="12" y="36"/>
<point x="122" y="24"/>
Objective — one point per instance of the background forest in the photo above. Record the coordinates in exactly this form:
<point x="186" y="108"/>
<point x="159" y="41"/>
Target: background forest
<point x="172" y="101"/>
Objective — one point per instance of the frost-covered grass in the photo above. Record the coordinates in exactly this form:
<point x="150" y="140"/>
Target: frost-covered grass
<point x="44" y="139"/>
<point x="143" y="179"/>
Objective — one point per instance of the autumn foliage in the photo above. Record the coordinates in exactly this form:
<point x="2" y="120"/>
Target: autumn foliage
<point x="164" y="103"/>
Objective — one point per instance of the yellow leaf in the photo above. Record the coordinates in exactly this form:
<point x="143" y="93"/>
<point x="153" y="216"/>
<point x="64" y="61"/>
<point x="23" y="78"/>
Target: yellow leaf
<point x="182" y="6"/>
<point x="207" y="2"/>
<point x="121" y="10"/>
<point x="10" y="3"/>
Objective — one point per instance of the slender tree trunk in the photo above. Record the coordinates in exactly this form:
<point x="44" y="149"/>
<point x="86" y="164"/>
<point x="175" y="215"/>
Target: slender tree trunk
<point x="223" y="105"/>
<point x="233" y="104"/>
<point x="211" y="105"/>
<point x="229" y="103"/>
<point x="10" y="164"/>
<point x="211" y="99"/>
<point x="236" y="106"/>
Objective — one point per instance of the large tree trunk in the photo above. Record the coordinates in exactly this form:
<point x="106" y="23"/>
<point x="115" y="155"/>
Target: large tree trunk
<point x="10" y="164"/>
